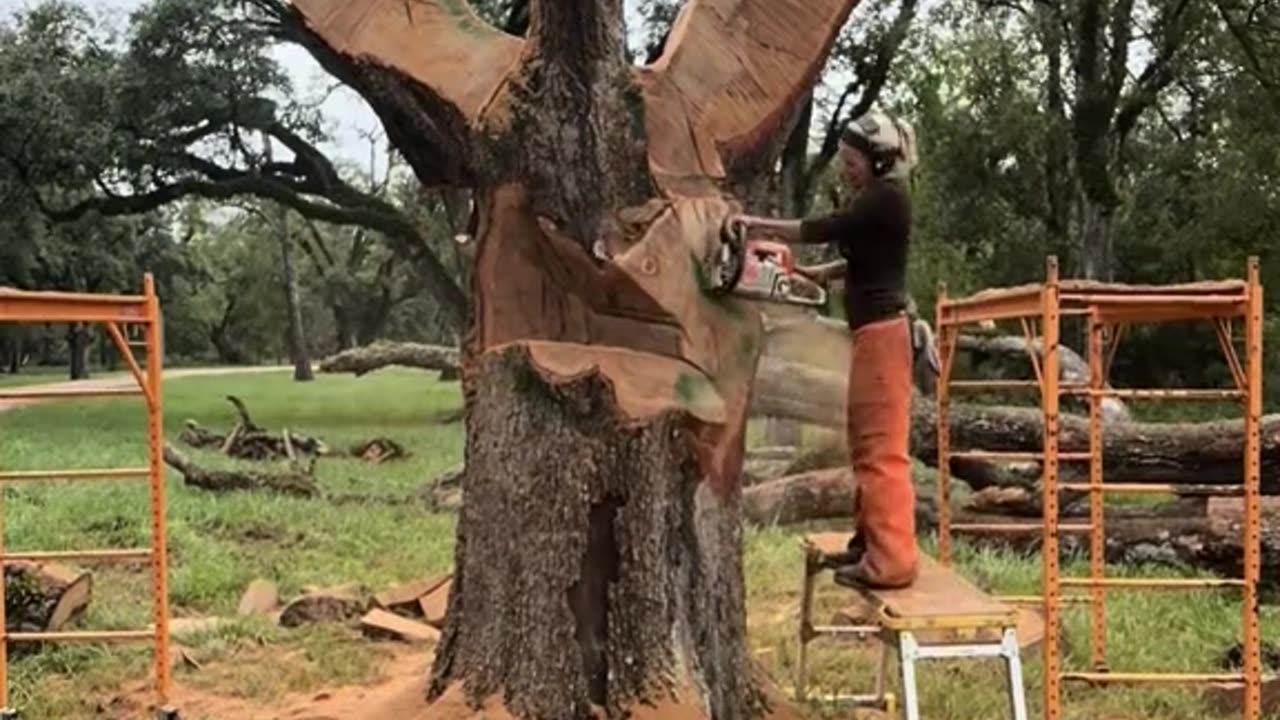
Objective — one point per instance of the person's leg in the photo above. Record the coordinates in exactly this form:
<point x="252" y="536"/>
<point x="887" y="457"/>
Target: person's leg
<point x="879" y="417"/>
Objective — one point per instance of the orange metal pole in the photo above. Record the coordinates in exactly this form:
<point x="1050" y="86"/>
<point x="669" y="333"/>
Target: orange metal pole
<point x="155" y="440"/>
<point x="1097" y="534"/>
<point x="945" y="335"/>
<point x="1049" y="329"/>
<point x="5" y="710"/>
<point x="1252" y="471"/>
<point x="126" y="354"/>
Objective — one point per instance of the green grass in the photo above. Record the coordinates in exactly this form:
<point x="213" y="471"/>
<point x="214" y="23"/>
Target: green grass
<point x="380" y="534"/>
<point x="33" y="375"/>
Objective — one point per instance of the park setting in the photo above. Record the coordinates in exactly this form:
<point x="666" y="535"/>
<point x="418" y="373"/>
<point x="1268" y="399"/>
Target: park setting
<point x="723" y="359"/>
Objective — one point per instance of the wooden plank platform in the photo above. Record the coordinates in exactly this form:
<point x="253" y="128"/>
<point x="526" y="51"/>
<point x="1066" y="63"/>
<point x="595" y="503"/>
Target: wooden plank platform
<point x="939" y="593"/>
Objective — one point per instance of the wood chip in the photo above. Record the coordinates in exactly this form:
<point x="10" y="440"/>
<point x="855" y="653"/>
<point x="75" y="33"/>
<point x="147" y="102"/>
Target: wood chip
<point x="260" y="598"/>
<point x="435" y="605"/>
<point x="380" y="624"/>
<point x="405" y="597"/>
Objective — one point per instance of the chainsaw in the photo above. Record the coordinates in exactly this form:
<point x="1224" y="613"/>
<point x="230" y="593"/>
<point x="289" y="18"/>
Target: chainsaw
<point x="760" y="270"/>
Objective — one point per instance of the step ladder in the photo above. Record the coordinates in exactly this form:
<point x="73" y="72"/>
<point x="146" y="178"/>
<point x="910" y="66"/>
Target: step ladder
<point x="942" y="616"/>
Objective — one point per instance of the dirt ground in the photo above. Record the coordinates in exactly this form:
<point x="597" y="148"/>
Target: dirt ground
<point x="401" y="695"/>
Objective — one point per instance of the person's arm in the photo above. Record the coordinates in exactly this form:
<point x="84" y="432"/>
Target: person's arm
<point x="787" y="231"/>
<point x="823" y="273"/>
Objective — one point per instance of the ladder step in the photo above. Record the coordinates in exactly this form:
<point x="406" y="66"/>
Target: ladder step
<point x="1015" y="456"/>
<point x="1018" y="527"/>
<point x="100" y="474"/>
<point x="1153" y="583"/>
<point x="80" y="636"/>
<point x="52" y="394"/>
<point x="1162" y="394"/>
<point x="105" y="555"/>
<point x="1153" y="678"/>
<point x="1154" y="488"/>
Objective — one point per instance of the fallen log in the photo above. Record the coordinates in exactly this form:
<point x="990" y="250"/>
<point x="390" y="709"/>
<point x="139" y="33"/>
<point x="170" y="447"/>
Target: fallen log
<point x="44" y="597"/>
<point x="381" y="354"/>
<point x="249" y="441"/>
<point x="1162" y="535"/>
<point x="295" y="483"/>
<point x="1206" y="453"/>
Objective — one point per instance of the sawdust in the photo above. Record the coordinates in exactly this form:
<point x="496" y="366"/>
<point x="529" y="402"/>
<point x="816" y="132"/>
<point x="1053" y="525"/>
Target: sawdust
<point x="400" y="695"/>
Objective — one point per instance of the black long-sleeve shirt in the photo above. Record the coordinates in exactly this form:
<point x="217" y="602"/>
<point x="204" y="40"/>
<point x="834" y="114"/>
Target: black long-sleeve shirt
<point x="874" y="235"/>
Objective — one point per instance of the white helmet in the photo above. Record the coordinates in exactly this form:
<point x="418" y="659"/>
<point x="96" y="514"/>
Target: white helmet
<point x="889" y="141"/>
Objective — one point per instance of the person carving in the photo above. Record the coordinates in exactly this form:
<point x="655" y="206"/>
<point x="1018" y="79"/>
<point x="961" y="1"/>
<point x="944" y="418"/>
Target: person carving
<point x="877" y="154"/>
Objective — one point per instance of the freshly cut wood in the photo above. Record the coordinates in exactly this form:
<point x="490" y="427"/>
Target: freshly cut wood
<point x="293" y="483"/>
<point x="333" y="605"/>
<point x="260" y="598"/>
<point x="44" y="597"/>
<point x="381" y="354"/>
<point x="381" y="624"/>
<point x="435" y="604"/>
<point x="404" y="598"/>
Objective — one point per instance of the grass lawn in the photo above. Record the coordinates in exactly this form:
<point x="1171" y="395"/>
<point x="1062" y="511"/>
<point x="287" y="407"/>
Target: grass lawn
<point x="33" y="375"/>
<point x="381" y="534"/>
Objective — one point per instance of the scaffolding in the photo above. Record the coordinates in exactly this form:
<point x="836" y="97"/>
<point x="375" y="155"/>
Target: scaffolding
<point x="1108" y="309"/>
<point x="120" y="315"/>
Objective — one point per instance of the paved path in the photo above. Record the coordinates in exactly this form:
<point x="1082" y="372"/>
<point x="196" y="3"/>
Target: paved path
<point x="123" y="379"/>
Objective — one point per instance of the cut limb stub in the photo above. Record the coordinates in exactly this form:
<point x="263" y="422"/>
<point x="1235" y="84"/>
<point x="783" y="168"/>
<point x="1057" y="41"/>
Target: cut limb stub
<point x="44" y="597"/>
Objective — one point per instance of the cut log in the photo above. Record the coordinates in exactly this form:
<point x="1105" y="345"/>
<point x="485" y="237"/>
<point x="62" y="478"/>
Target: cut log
<point x="1163" y="535"/>
<point x="285" y="483"/>
<point x="44" y="597"/>
<point x="381" y="354"/>
<point x="1206" y="453"/>
<point x="380" y="624"/>
<point x="333" y="605"/>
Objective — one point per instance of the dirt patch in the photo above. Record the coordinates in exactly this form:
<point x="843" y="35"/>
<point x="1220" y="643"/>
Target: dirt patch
<point x="400" y="695"/>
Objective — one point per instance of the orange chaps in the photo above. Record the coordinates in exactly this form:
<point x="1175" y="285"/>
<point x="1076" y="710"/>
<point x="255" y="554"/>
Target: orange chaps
<point x="879" y="427"/>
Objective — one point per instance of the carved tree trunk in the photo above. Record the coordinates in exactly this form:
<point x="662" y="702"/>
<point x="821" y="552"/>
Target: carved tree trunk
<point x="598" y="561"/>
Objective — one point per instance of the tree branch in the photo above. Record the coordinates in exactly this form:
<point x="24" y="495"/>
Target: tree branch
<point x="1158" y="73"/>
<point x="729" y="78"/>
<point x="426" y="68"/>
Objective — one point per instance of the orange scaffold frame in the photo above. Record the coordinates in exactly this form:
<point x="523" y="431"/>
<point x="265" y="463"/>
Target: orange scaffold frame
<point x="116" y="313"/>
<point x="1108" y="309"/>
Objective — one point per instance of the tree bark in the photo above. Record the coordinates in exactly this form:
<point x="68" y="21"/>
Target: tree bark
<point x="598" y="559"/>
<point x="78" y="349"/>
<point x="299" y="351"/>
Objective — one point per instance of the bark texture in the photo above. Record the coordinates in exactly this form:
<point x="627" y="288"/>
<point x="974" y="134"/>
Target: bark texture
<point x="598" y="561"/>
<point x="617" y="573"/>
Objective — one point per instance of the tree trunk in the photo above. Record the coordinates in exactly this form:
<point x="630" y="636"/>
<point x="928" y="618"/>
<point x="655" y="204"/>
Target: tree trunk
<point x="299" y="352"/>
<point x="44" y="597"/>
<point x="598" y="564"/>
<point x="78" y="349"/>
<point x="640" y="578"/>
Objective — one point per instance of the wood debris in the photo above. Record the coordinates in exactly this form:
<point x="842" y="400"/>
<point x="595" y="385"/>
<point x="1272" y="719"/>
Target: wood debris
<point x="381" y="624"/>
<point x="403" y="599"/>
<point x="44" y="597"/>
<point x="333" y="605"/>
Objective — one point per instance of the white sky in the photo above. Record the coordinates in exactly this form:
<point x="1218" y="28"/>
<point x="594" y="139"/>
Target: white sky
<point x="347" y="113"/>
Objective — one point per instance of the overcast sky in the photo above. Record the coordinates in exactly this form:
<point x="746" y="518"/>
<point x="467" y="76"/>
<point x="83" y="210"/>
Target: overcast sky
<point x="348" y="114"/>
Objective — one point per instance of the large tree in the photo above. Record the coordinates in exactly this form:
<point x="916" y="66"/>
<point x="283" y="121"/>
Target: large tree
<point x="598" y="556"/>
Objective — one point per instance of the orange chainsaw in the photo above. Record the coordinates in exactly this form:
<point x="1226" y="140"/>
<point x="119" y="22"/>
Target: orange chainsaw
<point x="761" y="270"/>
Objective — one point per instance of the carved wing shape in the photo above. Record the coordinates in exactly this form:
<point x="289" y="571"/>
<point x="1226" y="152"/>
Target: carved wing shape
<point x="730" y="76"/>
